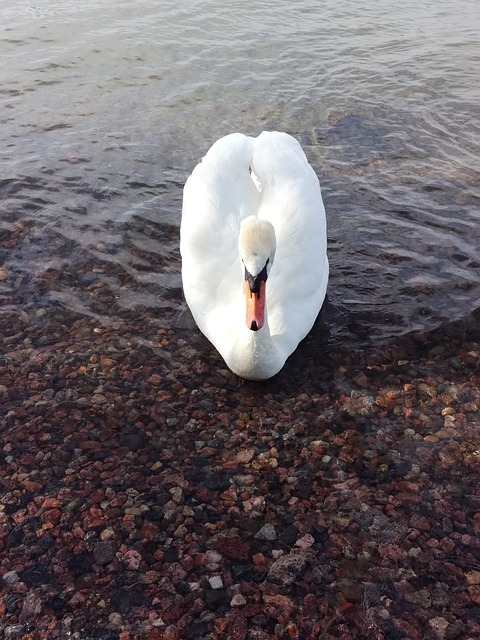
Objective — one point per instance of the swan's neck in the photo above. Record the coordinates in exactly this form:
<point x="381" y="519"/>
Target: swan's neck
<point x="255" y="355"/>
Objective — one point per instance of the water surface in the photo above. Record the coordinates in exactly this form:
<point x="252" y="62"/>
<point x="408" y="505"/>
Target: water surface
<point x="107" y="107"/>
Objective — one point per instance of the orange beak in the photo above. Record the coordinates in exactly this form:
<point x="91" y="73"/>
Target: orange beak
<point x="255" y="305"/>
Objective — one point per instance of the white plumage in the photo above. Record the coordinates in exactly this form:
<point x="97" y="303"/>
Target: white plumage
<point x="269" y="178"/>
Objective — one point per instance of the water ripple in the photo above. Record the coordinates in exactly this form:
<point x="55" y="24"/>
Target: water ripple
<point x="107" y="108"/>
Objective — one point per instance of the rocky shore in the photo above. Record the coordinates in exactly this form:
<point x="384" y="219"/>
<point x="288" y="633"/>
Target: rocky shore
<point x="149" y="494"/>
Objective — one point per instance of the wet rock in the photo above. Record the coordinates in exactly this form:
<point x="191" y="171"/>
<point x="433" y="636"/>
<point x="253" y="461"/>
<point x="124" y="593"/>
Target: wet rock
<point x="286" y="569"/>
<point x="305" y="541"/>
<point x="132" y="560"/>
<point x="245" y="455"/>
<point x="32" y="606"/>
<point x="474" y="592"/>
<point x="439" y="625"/>
<point x="421" y="598"/>
<point x="232" y="546"/>
<point x="104" y="552"/>
<point x="34" y="576"/>
<point x="13" y="632"/>
<point x="456" y="630"/>
<point x="177" y="495"/>
<point x="238" y="600"/>
<point x="237" y="628"/>
<point x="288" y="536"/>
<point x="217" y="480"/>
<point x="267" y="532"/>
<point x="473" y="577"/>
<point x="124" y="600"/>
<point x="247" y="573"/>
<point x="171" y="554"/>
<point x="10" y="578"/>
<point x="216" y="582"/>
<point x="279" y="605"/>
<point x="214" y="557"/>
<point x="216" y="599"/>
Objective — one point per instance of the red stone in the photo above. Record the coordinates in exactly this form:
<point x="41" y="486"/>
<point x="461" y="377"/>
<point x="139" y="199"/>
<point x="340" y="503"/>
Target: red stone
<point x="49" y="503"/>
<point x="237" y="628"/>
<point x="51" y="516"/>
<point x="32" y="486"/>
<point x="474" y="592"/>
<point x="408" y="629"/>
<point x="233" y="548"/>
<point x="149" y="530"/>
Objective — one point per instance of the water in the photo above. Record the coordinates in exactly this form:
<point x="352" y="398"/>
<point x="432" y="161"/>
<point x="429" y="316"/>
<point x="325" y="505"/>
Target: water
<point x="106" y="107"/>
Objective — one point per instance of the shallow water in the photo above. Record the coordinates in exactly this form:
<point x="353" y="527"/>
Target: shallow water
<point x="107" y="107"/>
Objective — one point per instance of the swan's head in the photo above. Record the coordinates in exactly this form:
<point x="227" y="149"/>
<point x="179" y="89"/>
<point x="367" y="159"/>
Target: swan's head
<point x="256" y="244"/>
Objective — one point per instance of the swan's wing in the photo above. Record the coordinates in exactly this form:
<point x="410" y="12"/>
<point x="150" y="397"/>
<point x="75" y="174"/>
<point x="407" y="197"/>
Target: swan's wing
<point x="216" y="197"/>
<point x="291" y="199"/>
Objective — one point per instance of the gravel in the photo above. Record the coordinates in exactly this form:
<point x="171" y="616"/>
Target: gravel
<point x="148" y="493"/>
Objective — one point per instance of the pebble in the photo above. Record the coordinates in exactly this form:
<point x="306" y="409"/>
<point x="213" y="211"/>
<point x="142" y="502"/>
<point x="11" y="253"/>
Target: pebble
<point x="132" y="560"/>
<point x="267" y="532"/>
<point x="473" y="577"/>
<point x="474" y="592"/>
<point x="214" y="557"/>
<point x="32" y="606"/>
<point x="144" y="512"/>
<point x="245" y="455"/>
<point x="305" y="541"/>
<point x="439" y="625"/>
<point x="115" y="619"/>
<point x="107" y="534"/>
<point x="421" y="598"/>
<point x="238" y="600"/>
<point x="14" y="632"/>
<point x="177" y="495"/>
<point x="10" y="578"/>
<point x="216" y="582"/>
<point x="104" y="552"/>
<point x="285" y="570"/>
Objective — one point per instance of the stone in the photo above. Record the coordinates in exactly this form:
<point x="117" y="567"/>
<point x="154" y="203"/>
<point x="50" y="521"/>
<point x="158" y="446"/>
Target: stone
<point x="473" y="577"/>
<point x="214" y="556"/>
<point x="421" y="598"/>
<point x="13" y="632"/>
<point x="245" y="455"/>
<point x="474" y="591"/>
<point x="104" y="552"/>
<point x="216" y="582"/>
<point x="267" y="532"/>
<point x="10" y="578"/>
<point x="305" y="541"/>
<point x="238" y="600"/>
<point x="439" y="625"/>
<point x="282" y="604"/>
<point x="285" y="570"/>
<point x="132" y="560"/>
<point x="32" y="606"/>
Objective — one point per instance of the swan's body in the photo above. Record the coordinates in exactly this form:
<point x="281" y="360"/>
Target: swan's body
<point x="253" y="245"/>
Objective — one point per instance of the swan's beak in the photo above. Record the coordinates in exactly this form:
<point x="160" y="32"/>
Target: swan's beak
<point x="255" y="305"/>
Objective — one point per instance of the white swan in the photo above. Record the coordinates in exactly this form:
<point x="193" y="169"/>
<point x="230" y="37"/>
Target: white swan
<point x="253" y="245"/>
